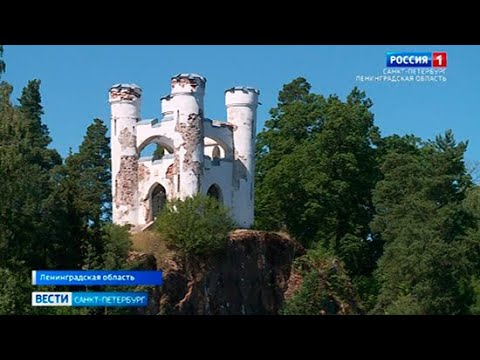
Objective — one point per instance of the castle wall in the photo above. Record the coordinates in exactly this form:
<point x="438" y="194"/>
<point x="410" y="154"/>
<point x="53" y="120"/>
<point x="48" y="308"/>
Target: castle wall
<point x="151" y="173"/>
<point x="222" y="176"/>
<point x="221" y="132"/>
<point x="164" y="130"/>
<point x="189" y="138"/>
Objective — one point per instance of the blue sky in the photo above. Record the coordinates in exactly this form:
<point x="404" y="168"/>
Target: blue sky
<point x="76" y="79"/>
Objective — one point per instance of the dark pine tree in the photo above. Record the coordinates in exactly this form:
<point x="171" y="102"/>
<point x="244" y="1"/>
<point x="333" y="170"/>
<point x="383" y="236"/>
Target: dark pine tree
<point x="2" y="63"/>
<point x="427" y="265"/>
<point x="25" y="220"/>
<point x="36" y="132"/>
<point x="90" y="169"/>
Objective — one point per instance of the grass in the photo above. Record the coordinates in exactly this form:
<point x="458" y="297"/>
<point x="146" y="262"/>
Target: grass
<point x="149" y="241"/>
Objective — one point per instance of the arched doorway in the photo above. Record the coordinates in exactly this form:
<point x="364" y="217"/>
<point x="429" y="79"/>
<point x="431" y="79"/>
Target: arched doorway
<point x="215" y="192"/>
<point x="158" y="199"/>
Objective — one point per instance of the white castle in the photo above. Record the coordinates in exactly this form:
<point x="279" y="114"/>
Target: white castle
<point x="206" y="156"/>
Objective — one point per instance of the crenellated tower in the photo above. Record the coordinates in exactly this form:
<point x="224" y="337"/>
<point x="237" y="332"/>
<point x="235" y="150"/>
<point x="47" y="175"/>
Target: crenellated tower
<point x="187" y="104"/>
<point x="125" y="102"/>
<point x="242" y="103"/>
<point x="201" y="155"/>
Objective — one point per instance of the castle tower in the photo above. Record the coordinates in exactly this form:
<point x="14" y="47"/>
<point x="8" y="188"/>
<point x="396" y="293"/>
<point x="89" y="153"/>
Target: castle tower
<point x="141" y="184"/>
<point x="166" y="107"/>
<point x="125" y="102"/>
<point x="186" y="102"/>
<point x="242" y="103"/>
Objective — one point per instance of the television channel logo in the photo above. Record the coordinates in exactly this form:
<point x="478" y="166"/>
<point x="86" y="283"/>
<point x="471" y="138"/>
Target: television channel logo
<point x="51" y="298"/>
<point x="88" y="299"/>
<point x="417" y="59"/>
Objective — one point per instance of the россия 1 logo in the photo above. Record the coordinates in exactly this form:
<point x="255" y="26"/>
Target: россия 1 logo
<point x="417" y="59"/>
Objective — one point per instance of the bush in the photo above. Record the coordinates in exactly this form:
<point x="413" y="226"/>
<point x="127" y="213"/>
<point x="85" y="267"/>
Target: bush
<point x="117" y="244"/>
<point x="15" y="291"/>
<point x="325" y="289"/>
<point x="197" y="226"/>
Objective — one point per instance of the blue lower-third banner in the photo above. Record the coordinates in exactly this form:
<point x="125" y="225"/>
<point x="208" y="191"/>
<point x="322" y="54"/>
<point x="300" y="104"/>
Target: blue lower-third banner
<point x="96" y="277"/>
<point x="82" y="299"/>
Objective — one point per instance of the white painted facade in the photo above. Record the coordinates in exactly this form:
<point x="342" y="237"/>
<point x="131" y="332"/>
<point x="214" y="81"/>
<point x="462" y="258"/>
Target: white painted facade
<point x="202" y="155"/>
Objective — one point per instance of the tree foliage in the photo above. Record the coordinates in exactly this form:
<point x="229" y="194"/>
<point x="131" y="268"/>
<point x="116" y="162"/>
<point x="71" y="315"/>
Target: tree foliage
<point x="158" y="153"/>
<point x="427" y="265"/>
<point x="2" y="63"/>
<point x="316" y="168"/>
<point x="117" y="245"/>
<point x="394" y="209"/>
<point x="15" y="290"/>
<point x="91" y="166"/>
<point x="53" y="214"/>
<point x="326" y="288"/>
<point x="86" y="181"/>
<point x="197" y="226"/>
<point x="391" y="224"/>
<point x="24" y="212"/>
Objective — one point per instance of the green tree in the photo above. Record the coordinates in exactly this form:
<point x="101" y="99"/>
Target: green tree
<point x="25" y="220"/>
<point x="427" y="265"/>
<point x="87" y="175"/>
<point x="91" y="166"/>
<point x="472" y="205"/>
<point x="197" y="226"/>
<point x="30" y="104"/>
<point x="158" y="153"/>
<point x="68" y="223"/>
<point x="52" y="215"/>
<point x="316" y="167"/>
<point x="117" y="246"/>
<point x="36" y="133"/>
<point x="326" y="288"/>
<point x="2" y="63"/>
<point x="15" y="290"/>
<point x="293" y="122"/>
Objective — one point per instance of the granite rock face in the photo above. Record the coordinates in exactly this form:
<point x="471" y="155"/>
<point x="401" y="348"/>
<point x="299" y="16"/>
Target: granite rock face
<point x="249" y="278"/>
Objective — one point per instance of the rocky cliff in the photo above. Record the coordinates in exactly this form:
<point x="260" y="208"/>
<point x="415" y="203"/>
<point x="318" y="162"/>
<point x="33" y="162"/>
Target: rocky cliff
<point x="249" y="277"/>
<point x="255" y="275"/>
